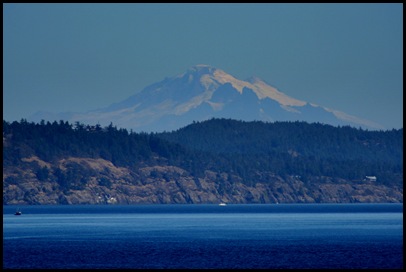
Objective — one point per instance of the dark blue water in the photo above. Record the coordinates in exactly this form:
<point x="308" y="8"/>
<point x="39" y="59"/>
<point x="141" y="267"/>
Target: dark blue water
<point x="204" y="236"/>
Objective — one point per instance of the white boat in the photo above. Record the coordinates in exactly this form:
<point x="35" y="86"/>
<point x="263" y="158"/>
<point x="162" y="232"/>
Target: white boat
<point x="222" y="204"/>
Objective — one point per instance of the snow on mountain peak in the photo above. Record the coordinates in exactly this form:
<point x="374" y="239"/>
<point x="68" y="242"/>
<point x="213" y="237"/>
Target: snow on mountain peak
<point x="211" y="78"/>
<point x="177" y="101"/>
<point x="201" y="69"/>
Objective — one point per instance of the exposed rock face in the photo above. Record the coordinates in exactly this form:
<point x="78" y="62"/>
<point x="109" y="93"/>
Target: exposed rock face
<point x="100" y="182"/>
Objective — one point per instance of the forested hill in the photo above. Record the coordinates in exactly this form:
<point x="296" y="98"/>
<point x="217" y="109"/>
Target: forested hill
<point x="298" y="147"/>
<point x="309" y="140"/>
<point x="205" y="162"/>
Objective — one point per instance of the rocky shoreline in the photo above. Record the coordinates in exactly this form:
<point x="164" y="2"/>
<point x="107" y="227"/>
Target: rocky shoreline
<point x="108" y="184"/>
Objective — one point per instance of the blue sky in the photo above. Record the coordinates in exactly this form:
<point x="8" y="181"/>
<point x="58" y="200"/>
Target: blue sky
<point x="80" y="57"/>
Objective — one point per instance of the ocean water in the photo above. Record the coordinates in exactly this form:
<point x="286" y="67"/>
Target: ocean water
<point x="300" y="236"/>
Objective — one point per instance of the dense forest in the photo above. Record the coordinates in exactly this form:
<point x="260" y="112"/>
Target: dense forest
<point x="220" y="145"/>
<point x="296" y="148"/>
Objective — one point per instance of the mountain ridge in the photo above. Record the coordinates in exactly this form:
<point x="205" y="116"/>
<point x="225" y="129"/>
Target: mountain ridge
<point x="201" y="93"/>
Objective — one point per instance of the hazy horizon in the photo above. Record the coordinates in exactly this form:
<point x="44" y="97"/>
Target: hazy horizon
<point x="80" y="57"/>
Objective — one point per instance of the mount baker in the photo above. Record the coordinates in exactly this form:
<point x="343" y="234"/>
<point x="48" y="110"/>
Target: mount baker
<point x="204" y="92"/>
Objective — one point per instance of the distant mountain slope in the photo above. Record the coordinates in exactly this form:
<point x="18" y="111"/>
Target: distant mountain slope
<point x="201" y="93"/>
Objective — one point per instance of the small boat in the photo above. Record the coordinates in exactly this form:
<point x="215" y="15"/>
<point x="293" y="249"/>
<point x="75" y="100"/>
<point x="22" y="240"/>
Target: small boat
<point x="222" y="204"/>
<point x="18" y="212"/>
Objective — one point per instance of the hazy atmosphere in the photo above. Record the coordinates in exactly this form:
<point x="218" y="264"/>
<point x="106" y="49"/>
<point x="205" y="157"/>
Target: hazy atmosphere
<point x="80" y="57"/>
<point x="165" y="136"/>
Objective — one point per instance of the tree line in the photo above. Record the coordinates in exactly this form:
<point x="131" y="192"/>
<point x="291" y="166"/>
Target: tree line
<point x="221" y="145"/>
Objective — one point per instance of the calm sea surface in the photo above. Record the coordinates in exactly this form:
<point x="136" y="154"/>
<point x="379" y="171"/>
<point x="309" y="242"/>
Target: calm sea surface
<point x="204" y="236"/>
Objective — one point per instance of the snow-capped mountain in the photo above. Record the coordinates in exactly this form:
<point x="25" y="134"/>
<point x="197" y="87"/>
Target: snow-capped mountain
<point x="201" y="93"/>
